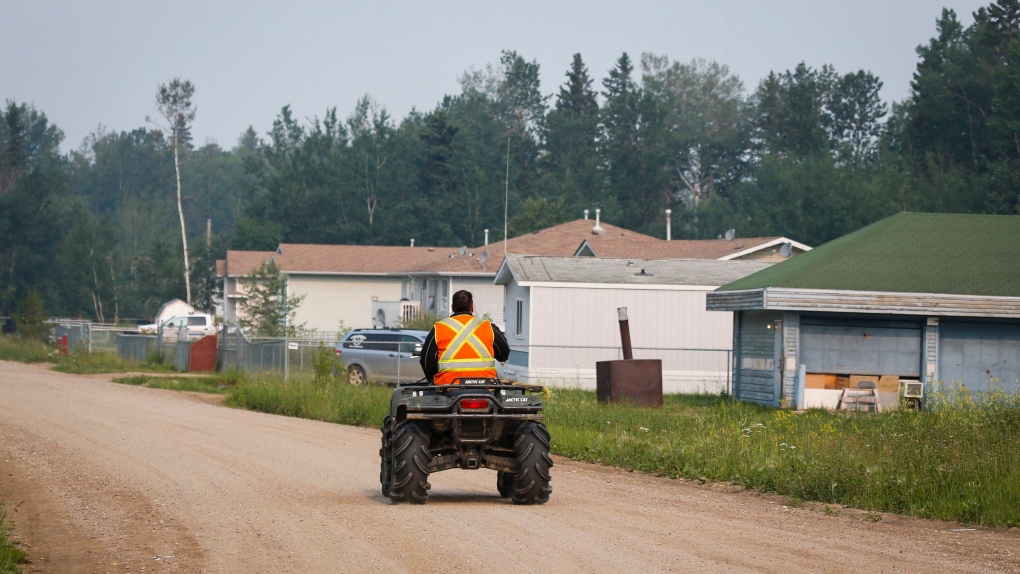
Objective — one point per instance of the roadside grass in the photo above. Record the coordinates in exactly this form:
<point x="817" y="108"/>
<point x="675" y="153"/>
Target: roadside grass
<point x="80" y="362"/>
<point x="11" y="554"/>
<point x="329" y="399"/>
<point x="15" y="348"/>
<point x="220" y="383"/>
<point x="956" y="462"/>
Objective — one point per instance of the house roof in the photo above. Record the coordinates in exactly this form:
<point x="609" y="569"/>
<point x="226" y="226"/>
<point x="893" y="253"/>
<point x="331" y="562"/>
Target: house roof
<point x="696" y="248"/>
<point x="240" y="263"/>
<point x="691" y="272"/>
<point x="353" y="259"/>
<point x="909" y="253"/>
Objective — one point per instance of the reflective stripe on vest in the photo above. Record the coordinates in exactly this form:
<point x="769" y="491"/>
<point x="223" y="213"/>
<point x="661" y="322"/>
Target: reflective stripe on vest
<point x="465" y="335"/>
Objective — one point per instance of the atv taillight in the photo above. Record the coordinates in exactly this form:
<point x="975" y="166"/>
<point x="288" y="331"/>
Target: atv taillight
<point x="474" y="404"/>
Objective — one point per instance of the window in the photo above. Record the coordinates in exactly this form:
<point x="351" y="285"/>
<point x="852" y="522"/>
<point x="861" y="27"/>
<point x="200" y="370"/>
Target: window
<point x="196" y="321"/>
<point x="410" y="343"/>
<point x="519" y="326"/>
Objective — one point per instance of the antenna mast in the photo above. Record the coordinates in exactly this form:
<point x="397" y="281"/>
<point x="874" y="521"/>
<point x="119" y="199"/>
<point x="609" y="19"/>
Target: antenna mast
<point x="506" y="194"/>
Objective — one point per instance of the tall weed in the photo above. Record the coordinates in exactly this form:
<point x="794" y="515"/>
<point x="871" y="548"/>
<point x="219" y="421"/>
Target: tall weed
<point x="330" y="399"/>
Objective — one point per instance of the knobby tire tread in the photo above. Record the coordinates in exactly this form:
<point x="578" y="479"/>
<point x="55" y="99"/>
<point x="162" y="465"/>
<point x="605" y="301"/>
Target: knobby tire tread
<point x="531" y="483"/>
<point x="411" y="458"/>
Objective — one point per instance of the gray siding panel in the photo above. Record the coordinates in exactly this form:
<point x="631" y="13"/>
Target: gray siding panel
<point x="978" y="353"/>
<point x="756" y="343"/>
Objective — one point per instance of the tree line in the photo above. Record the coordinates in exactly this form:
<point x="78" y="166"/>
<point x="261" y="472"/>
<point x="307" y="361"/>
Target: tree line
<point x="809" y="153"/>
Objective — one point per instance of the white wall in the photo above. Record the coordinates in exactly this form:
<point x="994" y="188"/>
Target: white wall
<point x="334" y="298"/>
<point x="488" y="297"/>
<point x="574" y="327"/>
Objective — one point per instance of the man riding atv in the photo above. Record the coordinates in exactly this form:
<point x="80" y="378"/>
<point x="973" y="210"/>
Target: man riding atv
<point x="463" y="346"/>
<point x="465" y="417"/>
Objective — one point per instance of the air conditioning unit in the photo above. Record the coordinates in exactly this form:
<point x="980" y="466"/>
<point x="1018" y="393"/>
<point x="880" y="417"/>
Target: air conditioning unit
<point x="911" y="389"/>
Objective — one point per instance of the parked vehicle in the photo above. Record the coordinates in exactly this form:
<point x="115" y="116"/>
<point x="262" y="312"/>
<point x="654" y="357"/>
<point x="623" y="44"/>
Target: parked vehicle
<point x="197" y="326"/>
<point x="381" y="355"/>
<point x="480" y="423"/>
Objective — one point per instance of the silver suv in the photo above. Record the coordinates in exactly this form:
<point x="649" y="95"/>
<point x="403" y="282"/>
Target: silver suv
<point x="382" y="355"/>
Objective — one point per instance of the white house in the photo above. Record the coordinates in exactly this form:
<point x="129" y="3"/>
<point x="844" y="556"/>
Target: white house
<point x="562" y="317"/>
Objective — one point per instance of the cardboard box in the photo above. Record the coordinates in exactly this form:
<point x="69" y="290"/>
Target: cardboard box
<point x="842" y="382"/>
<point x="889" y="384"/>
<point x="857" y="379"/>
<point x="820" y="381"/>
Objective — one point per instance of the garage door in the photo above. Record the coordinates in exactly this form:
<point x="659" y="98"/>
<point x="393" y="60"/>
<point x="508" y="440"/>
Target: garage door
<point x="861" y="347"/>
<point x="975" y="353"/>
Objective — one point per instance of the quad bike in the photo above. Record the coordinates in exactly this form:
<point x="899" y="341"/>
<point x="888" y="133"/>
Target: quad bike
<point x="479" y="423"/>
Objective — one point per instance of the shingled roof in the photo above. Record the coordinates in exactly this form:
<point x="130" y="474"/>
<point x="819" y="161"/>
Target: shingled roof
<point x="909" y="253"/>
<point x="528" y="269"/>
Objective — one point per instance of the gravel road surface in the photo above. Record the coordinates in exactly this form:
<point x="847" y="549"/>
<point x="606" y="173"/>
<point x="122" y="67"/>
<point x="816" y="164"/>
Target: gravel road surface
<point x="101" y="477"/>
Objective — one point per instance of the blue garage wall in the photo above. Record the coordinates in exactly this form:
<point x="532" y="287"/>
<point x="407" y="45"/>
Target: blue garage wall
<point x="975" y="353"/>
<point x="861" y="347"/>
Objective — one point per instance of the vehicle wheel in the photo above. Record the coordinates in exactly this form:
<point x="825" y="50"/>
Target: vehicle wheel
<point x="386" y="457"/>
<point x="531" y="448"/>
<point x="356" y="375"/>
<point x="504" y="483"/>
<point x="409" y="448"/>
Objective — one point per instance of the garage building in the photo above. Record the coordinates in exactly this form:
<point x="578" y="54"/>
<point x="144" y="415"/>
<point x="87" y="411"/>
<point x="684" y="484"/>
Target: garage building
<point x="926" y="297"/>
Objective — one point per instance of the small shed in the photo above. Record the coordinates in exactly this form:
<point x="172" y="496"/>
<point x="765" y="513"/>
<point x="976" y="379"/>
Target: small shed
<point x="172" y="308"/>
<point x="914" y="297"/>
<point x="561" y="318"/>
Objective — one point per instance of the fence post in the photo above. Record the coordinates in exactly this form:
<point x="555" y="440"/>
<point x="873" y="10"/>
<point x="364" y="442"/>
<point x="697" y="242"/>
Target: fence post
<point x="286" y="356"/>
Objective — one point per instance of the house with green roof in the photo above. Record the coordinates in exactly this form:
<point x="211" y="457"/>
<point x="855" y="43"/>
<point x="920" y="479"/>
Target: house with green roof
<point x="914" y="297"/>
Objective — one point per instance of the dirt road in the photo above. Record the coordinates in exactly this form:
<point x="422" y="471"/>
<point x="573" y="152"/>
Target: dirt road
<point x="113" y="478"/>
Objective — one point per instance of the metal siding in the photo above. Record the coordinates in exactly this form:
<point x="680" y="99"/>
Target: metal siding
<point x="791" y="344"/>
<point x="931" y="350"/>
<point x="978" y="353"/>
<point x="331" y="299"/>
<point x="658" y="318"/>
<point x="756" y="341"/>
<point x="861" y="347"/>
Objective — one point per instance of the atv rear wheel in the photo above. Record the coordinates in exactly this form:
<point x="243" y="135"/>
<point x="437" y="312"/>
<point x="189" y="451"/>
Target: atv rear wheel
<point x="409" y="450"/>
<point x="531" y="448"/>
<point x="386" y="457"/>
<point x="504" y="483"/>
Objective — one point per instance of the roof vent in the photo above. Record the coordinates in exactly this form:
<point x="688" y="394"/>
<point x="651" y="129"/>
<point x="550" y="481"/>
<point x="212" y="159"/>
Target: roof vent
<point x="598" y="216"/>
<point x="643" y="274"/>
<point x="431" y="248"/>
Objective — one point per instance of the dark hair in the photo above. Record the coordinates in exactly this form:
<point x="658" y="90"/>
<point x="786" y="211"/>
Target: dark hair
<point x="461" y="302"/>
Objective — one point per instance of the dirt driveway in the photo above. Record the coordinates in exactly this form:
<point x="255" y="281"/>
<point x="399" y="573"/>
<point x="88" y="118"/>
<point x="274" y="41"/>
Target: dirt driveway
<point x="102" y="477"/>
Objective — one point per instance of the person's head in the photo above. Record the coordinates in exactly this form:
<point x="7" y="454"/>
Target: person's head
<point x="462" y="302"/>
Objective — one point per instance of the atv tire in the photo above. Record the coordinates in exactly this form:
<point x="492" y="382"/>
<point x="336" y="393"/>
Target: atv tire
<point x="409" y="449"/>
<point x="531" y="448"/>
<point x="386" y="457"/>
<point x="504" y="483"/>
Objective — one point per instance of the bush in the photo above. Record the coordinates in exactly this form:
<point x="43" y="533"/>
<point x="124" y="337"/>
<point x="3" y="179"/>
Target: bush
<point x="30" y="318"/>
<point x="16" y="348"/>
<point x="422" y="323"/>
<point x="326" y="364"/>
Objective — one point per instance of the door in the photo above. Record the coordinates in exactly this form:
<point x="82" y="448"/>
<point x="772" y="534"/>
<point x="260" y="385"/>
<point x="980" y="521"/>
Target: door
<point x="383" y="355"/>
<point x="978" y="354"/>
<point x="410" y="367"/>
<point x="850" y="346"/>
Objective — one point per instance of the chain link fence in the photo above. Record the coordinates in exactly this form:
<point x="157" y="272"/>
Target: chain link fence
<point x="683" y="370"/>
<point x="93" y="337"/>
<point x="283" y="355"/>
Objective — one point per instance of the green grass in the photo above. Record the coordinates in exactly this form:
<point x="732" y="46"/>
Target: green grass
<point x="15" y="348"/>
<point x="327" y="400"/>
<point x="958" y="461"/>
<point x="80" y="362"/>
<point x="11" y="554"/>
<point x="221" y="383"/>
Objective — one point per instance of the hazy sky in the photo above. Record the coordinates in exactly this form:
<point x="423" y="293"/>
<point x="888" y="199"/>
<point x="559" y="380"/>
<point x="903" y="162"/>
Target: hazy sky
<point x="91" y="63"/>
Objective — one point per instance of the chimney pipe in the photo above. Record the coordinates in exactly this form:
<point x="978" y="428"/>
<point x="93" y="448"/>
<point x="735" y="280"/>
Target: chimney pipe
<point x="412" y="242"/>
<point x="669" y="228"/>
<point x="586" y="214"/>
<point x="486" y="236"/>
<point x="598" y="214"/>
<point x="628" y="352"/>
<point x="208" y="233"/>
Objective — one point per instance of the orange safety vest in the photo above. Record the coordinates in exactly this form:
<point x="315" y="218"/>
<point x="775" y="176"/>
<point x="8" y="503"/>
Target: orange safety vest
<point x="465" y="349"/>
